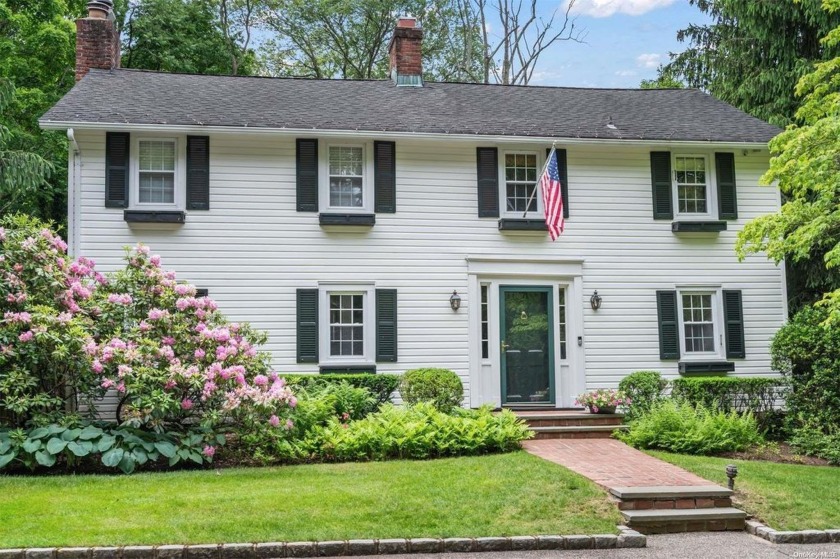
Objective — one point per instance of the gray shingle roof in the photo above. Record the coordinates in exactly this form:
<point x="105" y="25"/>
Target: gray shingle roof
<point x="139" y="97"/>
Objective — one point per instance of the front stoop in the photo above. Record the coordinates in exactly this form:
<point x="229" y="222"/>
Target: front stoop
<point x="667" y="509"/>
<point x="572" y="424"/>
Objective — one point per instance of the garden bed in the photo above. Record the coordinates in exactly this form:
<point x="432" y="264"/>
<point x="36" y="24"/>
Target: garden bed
<point x="784" y="496"/>
<point x="499" y="495"/>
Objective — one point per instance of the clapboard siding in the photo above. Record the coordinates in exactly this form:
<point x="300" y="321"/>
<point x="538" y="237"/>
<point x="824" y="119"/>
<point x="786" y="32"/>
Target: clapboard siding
<point x="252" y="250"/>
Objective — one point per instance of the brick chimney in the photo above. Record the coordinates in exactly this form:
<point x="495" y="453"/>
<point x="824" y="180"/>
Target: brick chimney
<point x="405" y="53"/>
<point x="97" y="40"/>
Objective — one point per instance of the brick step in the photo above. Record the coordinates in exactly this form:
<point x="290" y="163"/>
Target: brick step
<point x="672" y="497"/>
<point x="572" y="421"/>
<point x="577" y="431"/>
<point x="688" y="520"/>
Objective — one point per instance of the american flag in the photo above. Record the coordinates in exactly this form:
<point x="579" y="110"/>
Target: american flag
<point x="552" y="196"/>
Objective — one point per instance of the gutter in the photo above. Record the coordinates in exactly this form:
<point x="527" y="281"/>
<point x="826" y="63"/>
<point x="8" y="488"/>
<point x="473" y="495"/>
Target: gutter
<point x="74" y="188"/>
<point x="373" y="134"/>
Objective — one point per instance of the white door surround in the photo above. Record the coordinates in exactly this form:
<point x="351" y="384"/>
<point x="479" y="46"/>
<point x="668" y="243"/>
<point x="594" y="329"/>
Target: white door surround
<point x="485" y="373"/>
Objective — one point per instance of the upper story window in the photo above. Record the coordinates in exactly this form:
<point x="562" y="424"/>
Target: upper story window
<point x="700" y="323"/>
<point x="156" y="171"/>
<point x="158" y="180"/>
<point x="693" y="189"/>
<point x="347" y="176"/>
<point x="520" y="183"/>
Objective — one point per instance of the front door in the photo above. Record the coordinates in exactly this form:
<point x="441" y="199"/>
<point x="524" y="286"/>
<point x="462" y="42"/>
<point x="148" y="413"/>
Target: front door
<point x="527" y="346"/>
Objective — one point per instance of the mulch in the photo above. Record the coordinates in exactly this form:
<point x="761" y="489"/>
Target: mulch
<point x="781" y="453"/>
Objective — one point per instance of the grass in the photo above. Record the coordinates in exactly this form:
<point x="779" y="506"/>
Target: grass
<point x="784" y="496"/>
<point x="509" y="494"/>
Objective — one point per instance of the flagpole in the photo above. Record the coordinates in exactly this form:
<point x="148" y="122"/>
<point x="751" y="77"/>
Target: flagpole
<point x="545" y="166"/>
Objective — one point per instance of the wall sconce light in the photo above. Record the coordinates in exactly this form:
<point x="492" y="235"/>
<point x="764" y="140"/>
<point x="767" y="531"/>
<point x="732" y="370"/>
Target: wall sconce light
<point x="595" y="301"/>
<point x="455" y="301"/>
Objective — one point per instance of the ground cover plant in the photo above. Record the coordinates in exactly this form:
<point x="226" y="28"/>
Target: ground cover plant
<point x="784" y="496"/>
<point x="503" y="494"/>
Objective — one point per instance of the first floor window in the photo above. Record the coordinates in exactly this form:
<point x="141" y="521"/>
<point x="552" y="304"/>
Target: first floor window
<point x="698" y="323"/>
<point x="347" y="332"/>
<point x="346" y="176"/>
<point x="520" y="182"/>
<point x="156" y="167"/>
<point x="692" y="187"/>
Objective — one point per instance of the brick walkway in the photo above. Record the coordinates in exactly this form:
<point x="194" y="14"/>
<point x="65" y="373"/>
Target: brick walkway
<point x="612" y="463"/>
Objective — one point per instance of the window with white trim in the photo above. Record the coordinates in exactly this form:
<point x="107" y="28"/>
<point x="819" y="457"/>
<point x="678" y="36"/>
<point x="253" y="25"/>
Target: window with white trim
<point x="700" y="324"/>
<point x="347" y="324"/>
<point x="158" y="173"/>
<point x="519" y="171"/>
<point x="693" y="190"/>
<point x="561" y="326"/>
<point x="346" y="176"/>
<point x="485" y="321"/>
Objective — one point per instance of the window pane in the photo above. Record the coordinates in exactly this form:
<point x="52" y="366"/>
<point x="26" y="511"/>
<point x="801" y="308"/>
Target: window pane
<point x="698" y="323"/>
<point x="157" y="188"/>
<point x="691" y="184"/>
<point x="561" y="295"/>
<point x="157" y="155"/>
<point x="347" y="325"/>
<point x="346" y="170"/>
<point x="520" y="182"/>
<point x="485" y="323"/>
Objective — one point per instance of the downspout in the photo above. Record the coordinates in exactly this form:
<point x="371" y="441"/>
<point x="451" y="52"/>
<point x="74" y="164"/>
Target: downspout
<point x="74" y="186"/>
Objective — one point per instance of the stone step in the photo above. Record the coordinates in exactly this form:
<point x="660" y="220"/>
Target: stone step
<point x="567" y="420"/>
<point x="672" y="497"/>
<point x="686" y="520"/>
<point x="577" y="431"/>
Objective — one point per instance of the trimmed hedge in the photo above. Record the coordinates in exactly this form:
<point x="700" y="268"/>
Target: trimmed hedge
<point x="758" y="395"/>
<point x="380" y="386"/>
<point x="440" y="387"/>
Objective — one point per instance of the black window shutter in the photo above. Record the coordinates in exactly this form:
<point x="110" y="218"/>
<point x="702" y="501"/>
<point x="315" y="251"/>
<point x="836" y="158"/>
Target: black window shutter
<point x="488" y="182"/>
<point x="116" y="169"/>
<point x="660" y="176"/>
<point x="307" y="175"/>
<point x="733" y="314"/>
<point x="669" y="336"/>
<point x="307" y="325"/>
<point x="563" y="171"/>
<point x="386" y="325"/>
<point x="727" y="197"/>
<point x="198" y="172"/>
<point x="385" y="177"/>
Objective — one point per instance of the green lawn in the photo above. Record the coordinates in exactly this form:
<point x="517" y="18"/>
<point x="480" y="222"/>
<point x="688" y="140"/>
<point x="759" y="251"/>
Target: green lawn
<point x="784" y="496"/>
<point x="510" y="494"/>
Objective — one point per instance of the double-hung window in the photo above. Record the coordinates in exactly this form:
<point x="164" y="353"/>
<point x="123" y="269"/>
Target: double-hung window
<point x="347" y="319"/>
<point x="519" y="187"/>
<point x="158" y="176"/>
<point x="693" y="190"/>
<point x="700" y="324"/>
<point x="348" y="178"/>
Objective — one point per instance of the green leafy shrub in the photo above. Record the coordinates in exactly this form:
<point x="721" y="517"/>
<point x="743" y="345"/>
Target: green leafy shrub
<point x="418" y="432"/>
<point x="807" y="352"/>
<point x="813" y="441"/>
<point x="381" y="386"/>
<point x="680" y="427"/>
<point x="114" y="446"/>
<point x="440" y="387"/>
<point x="759" y="395"/>
<point x="643" y="389"/>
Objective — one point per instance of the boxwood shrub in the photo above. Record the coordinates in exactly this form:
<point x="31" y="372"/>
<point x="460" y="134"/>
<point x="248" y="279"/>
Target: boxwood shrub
<point x="381" y="386"/>
<point x="440" y="387"/>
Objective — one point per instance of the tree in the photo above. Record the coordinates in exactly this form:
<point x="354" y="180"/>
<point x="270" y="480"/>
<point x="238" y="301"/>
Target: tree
<point x="237" y="19"/>
<point x="510" y="57"/>
<point x="180" y="36"/>
<point x="37" y="49"/>
<point x="754" y="53"/>
<point x="22" y="173"/>
<point x="664" y="80"/>
<point x="806" y="166"/>
<point x="349" y="39"/>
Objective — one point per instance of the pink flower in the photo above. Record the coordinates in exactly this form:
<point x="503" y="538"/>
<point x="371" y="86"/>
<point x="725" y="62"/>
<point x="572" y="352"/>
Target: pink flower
<point x="170" y="384"/>
<point x="121" y="387"/>
<point x="184" y="289"/>
<point x="145" y="326"/>
<point x="96" y="366"/>
<point x="289" y="424"/>
<point x="209" y="451"/>
<point x="186" y="404"/>
<point x="168" y="340"/>
<point x="157" y="314"/>
<point x="261" y="380"/>
<point x="107" y="383"/>
<point x="274" y="421"/>
<point x="199" y="353"/>
<point x="155" y="260"/>
<point x="26" y="336"/>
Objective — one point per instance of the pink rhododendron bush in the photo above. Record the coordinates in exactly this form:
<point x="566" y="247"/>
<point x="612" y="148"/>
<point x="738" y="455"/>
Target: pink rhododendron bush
<point x="68" y="334"/>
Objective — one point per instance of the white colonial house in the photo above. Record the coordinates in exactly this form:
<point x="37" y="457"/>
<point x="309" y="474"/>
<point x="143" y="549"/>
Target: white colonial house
<point x="349" y="218"/>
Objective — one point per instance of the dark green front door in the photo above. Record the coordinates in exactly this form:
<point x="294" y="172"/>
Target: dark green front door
<point x="527" y="345"/>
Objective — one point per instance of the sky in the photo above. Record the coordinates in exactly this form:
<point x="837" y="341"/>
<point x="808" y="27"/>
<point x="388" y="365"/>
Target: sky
<point x="625" y="41"/>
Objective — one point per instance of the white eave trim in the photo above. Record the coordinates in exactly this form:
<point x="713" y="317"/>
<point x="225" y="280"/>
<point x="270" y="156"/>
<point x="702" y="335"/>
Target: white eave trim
<point x="372" y="134"/>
